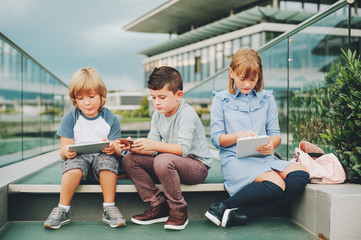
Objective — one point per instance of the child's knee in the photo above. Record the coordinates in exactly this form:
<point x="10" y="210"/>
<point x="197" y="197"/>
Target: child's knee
<point x="74" y="173"/>
<point x="163" y="163"/>
<point x="127" y="161"/>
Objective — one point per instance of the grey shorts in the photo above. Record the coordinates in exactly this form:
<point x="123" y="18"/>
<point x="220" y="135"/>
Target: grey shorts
<point x="93" y="163"/>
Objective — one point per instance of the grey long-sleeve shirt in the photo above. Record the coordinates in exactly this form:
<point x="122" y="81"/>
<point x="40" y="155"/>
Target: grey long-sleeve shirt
<point x="184" y="128"/>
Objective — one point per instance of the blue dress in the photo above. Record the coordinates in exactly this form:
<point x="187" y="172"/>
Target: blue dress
<point x="256" y="112"/>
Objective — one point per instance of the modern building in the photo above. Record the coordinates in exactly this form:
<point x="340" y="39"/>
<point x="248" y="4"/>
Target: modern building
<point x="204" y="35"/>
<point x="125" y="100"/>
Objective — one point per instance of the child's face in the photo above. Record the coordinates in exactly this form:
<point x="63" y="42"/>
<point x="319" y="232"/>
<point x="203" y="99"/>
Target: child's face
<point x="244" y="85"/>
<point x="88" y="103"/>
<point x="165" y="101"/>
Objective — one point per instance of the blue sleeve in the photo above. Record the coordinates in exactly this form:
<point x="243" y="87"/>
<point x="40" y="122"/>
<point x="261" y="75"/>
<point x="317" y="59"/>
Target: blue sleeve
<point x="217" y="121"/>
<point x="272" y="125"/>
<point x="113" y="121"/>
<point x="66" y="128"/>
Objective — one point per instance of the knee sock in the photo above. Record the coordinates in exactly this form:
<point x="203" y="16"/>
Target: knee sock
<point x="295" y="184"/>
<point x="255" y="193"/>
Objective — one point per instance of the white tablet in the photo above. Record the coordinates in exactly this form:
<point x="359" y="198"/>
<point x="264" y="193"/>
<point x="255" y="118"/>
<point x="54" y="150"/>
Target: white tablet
<point x="89" y="148"/>
<point x="246" y="147"/>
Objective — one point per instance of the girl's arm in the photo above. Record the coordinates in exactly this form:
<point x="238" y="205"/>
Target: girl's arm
<point x="226" y="140"/>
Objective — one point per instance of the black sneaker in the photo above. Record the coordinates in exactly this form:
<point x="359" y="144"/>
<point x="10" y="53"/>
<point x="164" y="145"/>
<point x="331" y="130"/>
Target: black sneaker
<point x="232" y="217"/>
<point x="215" y="212"/>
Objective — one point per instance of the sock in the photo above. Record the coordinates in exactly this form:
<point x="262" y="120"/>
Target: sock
<point x="108" y="204"/>
<point x="255" y="193"/>
<point x="295" y="184"/>
<point x="67" y="208"/>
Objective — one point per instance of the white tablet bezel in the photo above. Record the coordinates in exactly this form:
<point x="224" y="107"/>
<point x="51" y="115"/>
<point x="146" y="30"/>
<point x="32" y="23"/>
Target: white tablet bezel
<point x="246" y="147"/>
<point x="88" y="148"/>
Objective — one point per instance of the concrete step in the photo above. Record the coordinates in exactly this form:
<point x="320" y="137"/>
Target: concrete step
<point x="260" y="229"/>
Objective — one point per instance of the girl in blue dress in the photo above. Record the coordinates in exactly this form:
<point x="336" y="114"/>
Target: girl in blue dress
<point x="245" y="110"/>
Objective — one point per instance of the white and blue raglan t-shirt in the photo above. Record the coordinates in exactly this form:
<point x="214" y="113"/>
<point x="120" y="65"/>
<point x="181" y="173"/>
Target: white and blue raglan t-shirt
<point x="82" y="129"/>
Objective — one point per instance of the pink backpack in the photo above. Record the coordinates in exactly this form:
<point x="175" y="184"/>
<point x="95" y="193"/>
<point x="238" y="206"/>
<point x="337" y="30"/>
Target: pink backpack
<point x="323" y="168"/>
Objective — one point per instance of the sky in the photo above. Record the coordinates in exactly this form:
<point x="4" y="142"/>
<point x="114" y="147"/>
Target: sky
<point x="65" y="35"/>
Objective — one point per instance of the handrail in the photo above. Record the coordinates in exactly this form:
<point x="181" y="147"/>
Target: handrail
<point x="334" y="7"/>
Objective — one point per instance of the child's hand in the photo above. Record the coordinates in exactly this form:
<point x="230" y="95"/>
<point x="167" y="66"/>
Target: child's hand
<point x="108" y="150"/>
<point x="143" y="144"/>
<point x="64" y="151"/>
<point x="266" y="149"/>
<point x="125" y="144"/>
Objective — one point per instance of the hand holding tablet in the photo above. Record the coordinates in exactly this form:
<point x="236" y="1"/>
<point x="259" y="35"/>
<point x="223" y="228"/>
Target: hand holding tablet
<point x="246" y="147"/>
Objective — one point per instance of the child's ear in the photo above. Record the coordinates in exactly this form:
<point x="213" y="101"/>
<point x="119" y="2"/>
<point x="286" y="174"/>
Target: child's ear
<point x="230" y="71"/>
<point x="180" y="94"/>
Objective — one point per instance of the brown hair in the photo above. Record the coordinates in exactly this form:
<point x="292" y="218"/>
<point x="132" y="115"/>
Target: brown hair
<point x="86" y="80"/>
<point x="247" y="63"/>
<point x="165" y="76"/>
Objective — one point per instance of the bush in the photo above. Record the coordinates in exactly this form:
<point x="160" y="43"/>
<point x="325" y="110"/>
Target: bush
<point x="329" y="114"/>
<point x="344" y="132"/>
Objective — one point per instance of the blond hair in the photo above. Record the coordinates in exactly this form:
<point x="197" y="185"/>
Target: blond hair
<point x="246" y="63"/>
<point x="86" y="80"/>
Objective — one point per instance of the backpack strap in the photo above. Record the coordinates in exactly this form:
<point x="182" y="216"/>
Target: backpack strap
<point x="315" y="155"/>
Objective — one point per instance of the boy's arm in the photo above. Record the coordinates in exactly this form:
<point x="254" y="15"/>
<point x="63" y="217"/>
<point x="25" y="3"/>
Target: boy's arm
<point x="148" y="146"/>
<point x="65" y="153"/>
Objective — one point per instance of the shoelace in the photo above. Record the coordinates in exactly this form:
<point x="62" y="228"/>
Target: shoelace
<point x="114" y="212"/>
<point x="56" y="213"/>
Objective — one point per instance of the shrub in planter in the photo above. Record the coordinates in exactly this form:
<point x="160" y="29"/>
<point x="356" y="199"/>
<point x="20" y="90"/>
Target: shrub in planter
<point x="344" y="130"/>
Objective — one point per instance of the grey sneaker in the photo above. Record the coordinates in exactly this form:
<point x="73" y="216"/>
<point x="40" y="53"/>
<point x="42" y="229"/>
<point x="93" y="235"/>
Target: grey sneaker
<point x="113" y="217"/>
<point x="57" y="218"/>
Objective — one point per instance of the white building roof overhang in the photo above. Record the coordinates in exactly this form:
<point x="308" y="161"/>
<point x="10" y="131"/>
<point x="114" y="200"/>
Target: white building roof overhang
<point x="234" y="22"/>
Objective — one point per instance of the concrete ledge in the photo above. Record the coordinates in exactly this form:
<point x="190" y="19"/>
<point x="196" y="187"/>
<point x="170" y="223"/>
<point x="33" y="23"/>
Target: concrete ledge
<point x="21" y="169"/>
<point x="45" y="188"/>
<point x="331" y="211"/>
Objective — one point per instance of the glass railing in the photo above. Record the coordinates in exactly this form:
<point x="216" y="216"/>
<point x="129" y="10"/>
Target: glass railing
<point x="292" y="63"/>
<point x="32" y="102"/>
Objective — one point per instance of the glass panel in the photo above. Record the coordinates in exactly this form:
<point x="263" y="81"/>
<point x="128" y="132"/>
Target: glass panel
<point x="47" y="112"/>
<point x="312" y="51"/>
<point x="31" y="109"/>
<point x="10" y="105"/>
<point x="275" y="63"/>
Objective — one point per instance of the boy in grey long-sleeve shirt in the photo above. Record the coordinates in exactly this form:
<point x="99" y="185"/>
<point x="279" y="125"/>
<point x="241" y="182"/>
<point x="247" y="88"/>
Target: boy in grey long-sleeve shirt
<point x="175" y="152"/>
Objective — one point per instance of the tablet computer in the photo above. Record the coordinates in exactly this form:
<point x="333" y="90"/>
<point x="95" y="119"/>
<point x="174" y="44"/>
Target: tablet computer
<point x="89" y="148"/>
<point x="246" y="147"/>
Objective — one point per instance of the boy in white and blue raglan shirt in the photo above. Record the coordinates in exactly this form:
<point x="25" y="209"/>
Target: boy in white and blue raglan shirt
<point x="88" y="122"/>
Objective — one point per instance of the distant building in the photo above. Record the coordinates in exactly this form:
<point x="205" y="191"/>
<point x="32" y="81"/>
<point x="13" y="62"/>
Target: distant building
<point x="125" y="100"/>
<point x="204" y="35"/>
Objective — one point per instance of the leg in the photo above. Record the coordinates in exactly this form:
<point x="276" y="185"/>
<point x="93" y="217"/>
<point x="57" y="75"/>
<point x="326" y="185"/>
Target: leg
<point x="140" y="169"/>
<point x="172" y="170"/>
<point x="295" y="179"/>
<point x="105" y="169"/>
<point x="108" y="182"/>
<point x="268" y="187"/>
<point x="69" y="183"/>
